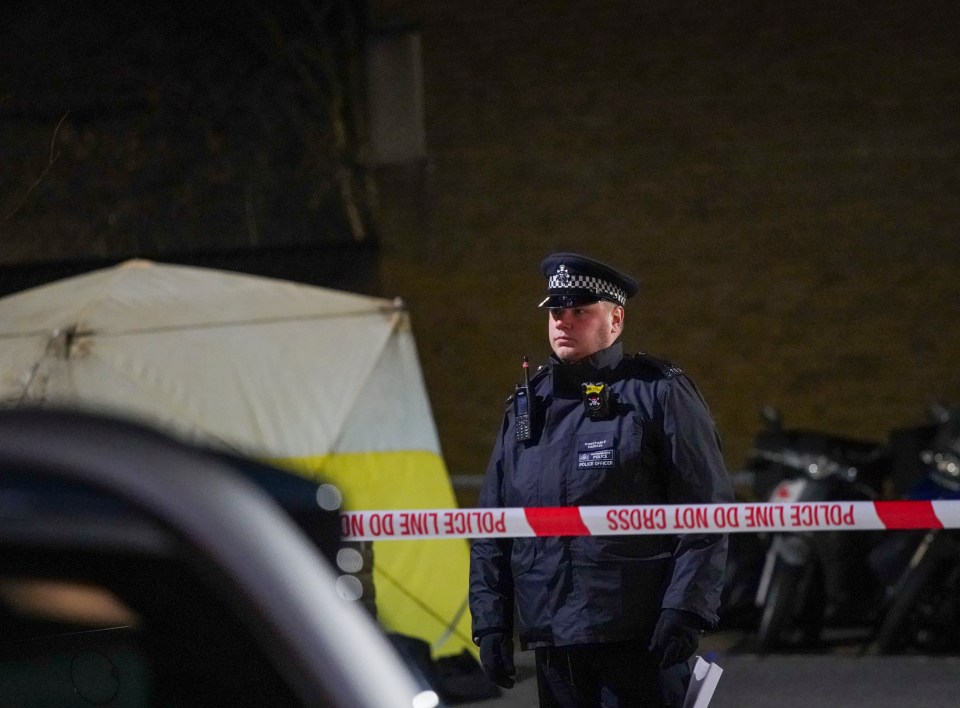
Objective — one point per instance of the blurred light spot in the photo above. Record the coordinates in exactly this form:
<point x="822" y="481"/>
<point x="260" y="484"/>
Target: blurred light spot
<point x="349" y="588"/>
<point x="329" y="497"/>
<point x="349" y="560"/>
<point x="426" y="699"/>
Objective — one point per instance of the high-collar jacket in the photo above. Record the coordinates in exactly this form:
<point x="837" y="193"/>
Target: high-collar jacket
<point x="657" y="445"/>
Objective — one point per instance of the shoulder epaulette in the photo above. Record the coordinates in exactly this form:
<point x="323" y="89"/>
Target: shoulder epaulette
<point x="666" y="368"/>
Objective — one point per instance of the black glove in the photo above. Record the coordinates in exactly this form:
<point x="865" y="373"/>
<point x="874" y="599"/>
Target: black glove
<point x="676" y="637"/>
<point x="496" y="658"/>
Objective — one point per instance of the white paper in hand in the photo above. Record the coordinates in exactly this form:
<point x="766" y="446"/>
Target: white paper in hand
<point x="703" y="682"/>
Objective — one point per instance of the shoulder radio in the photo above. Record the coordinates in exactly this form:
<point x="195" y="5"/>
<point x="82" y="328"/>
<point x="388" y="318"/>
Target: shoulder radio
<point x="522" y="406"/>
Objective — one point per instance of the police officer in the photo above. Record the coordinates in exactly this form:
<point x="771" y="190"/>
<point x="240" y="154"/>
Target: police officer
<point x="611" y="619"/>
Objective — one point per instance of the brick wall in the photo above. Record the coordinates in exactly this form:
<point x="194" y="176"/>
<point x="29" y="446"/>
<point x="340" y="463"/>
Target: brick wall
<point x="782" y="176"/>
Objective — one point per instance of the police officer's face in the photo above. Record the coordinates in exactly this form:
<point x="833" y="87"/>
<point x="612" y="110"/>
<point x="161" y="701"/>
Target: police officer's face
<point x="578" y="332"/>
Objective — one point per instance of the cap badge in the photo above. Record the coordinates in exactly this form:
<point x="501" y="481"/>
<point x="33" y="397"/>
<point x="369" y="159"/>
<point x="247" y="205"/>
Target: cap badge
<point x="563" y="279"/>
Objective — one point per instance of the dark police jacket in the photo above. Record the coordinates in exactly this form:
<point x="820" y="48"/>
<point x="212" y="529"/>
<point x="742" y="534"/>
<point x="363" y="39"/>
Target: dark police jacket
<point x="658" y="445"/>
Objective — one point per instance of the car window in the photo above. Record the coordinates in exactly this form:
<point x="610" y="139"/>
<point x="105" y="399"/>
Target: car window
<point x="99" y="605"/>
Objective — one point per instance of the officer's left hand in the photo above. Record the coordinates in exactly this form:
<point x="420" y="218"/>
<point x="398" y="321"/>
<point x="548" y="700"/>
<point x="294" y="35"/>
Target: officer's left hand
<point x="676" y="636"/>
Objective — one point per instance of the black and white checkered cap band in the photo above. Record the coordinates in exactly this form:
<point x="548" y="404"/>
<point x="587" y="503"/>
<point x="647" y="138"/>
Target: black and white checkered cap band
<point x="598" y="286"/>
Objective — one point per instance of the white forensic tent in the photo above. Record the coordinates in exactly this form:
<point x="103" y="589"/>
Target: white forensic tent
<point x="322" y="381"/>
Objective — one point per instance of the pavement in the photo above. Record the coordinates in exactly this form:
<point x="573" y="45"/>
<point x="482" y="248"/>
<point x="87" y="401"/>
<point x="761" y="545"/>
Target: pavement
<point x="836" y="678"/>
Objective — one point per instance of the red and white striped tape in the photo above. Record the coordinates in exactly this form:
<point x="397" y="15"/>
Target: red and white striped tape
<point x="652" y="519"/>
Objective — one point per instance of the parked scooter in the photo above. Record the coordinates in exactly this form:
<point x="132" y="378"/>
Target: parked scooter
<point x="820" y="578"/>
<point x="922" y="568"/>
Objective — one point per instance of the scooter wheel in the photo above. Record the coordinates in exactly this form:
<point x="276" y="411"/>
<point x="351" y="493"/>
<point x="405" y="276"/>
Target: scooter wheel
<point x="890" y="637"/>
<point x="777" y="616"/>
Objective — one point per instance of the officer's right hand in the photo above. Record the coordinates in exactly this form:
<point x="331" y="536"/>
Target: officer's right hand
<point x="496" y="658"/>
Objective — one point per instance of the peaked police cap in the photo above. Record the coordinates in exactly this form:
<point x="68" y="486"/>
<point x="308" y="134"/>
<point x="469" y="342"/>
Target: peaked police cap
<point x="574" y="280"/>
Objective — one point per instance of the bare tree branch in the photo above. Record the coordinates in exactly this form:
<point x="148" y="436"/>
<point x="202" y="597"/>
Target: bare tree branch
<point x="54" y="156"/>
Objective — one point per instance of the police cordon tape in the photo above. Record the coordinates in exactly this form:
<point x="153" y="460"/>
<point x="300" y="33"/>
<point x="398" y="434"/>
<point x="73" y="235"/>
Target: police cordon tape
<point x="515" y="522"/>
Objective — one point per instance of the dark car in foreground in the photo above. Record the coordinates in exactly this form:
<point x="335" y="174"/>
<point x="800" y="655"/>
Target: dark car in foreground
<point x="137" y="570"/>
